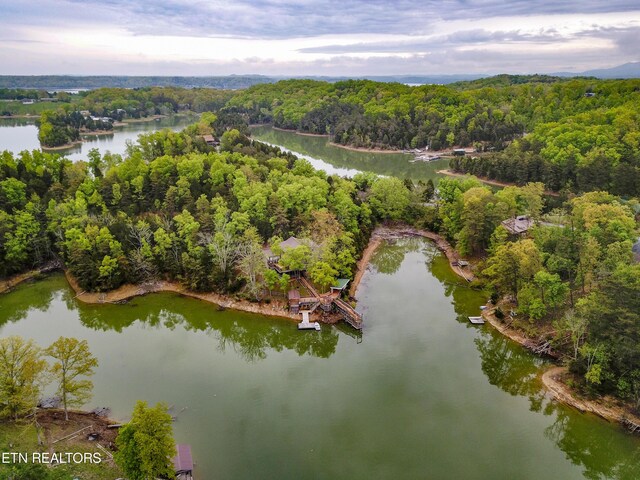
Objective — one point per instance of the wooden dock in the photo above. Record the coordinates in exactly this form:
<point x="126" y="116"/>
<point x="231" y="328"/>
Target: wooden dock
<point x="183" y="462"/>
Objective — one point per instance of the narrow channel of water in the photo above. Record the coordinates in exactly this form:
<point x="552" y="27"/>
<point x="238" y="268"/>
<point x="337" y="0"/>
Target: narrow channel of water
<point x="338" y="160"/>
<point x="421" y="394"/>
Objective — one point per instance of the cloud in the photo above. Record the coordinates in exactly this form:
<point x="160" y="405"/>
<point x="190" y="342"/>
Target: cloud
<point x="332" y="37"/>
<point x="265" y="19"/>
<point x="465" y="37"/>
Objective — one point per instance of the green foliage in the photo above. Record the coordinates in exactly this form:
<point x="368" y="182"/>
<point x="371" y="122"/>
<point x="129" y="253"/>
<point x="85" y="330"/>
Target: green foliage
<point x="145" y="444"/>
<point x="389" y="198"/>
<point x="21" y="376"/>
<point x="73" y="360"/>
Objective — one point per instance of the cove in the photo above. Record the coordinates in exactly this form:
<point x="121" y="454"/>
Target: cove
<point x="333" y="159"/>
<point x="421" y="394"/>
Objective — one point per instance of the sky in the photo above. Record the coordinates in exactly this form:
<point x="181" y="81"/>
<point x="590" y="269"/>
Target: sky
<point x="315" y="37"/>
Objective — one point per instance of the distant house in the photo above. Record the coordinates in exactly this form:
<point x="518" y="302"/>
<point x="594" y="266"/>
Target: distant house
<point x="27" y="102"/>
<point x="519" y="225"/>
<point x="211" y="140"/>
<point x="459" y="152"/>
<point x="589" y="94"/>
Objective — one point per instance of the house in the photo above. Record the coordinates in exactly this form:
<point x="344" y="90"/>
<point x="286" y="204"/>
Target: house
<point x="459" y="152"/>
<point x="519" y="225"/>
<point x="289" y="243"/>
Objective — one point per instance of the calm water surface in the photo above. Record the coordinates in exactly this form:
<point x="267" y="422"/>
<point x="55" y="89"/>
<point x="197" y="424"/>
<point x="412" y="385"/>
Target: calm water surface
<point x="332" y="159"/>
<point x="22" y="134"/>
<point x="421" y="394"/>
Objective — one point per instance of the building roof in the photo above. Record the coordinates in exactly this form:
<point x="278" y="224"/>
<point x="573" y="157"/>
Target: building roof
<point x="183" y="462"/>
<point x="340" y="284"/>
<point x="291" y="242"/>
<point x="518" y="225"/>
<point x="208" y="138"/>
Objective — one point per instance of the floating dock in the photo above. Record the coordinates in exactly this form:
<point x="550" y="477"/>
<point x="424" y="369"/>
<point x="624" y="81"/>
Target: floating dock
<point x="305" y="324"/>
<point x="476" y="320"/>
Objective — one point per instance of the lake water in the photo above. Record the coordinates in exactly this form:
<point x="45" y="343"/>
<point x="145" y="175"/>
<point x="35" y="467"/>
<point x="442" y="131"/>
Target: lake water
<point x="421" y="394"/>
<point x="22" y="134"/>
<point x="332" y="159"/>
<point x="17" y="134"/>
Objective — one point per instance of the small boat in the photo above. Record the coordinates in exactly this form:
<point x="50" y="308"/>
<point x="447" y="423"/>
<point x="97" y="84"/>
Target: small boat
<point x="476" y="320"/>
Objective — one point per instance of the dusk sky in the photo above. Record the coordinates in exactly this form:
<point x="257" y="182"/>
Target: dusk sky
<point x="322" y="37"/>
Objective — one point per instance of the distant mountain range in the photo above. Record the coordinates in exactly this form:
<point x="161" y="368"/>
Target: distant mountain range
<point x="627" y="70"/>
<point x="234" y="82"/>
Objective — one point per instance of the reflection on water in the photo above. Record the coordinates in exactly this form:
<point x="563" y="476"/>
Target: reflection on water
<point x="425" y="395"/>
<point x="17" y="134"/>
<point x="390" y="164"/>
<point x="241" y="332"/>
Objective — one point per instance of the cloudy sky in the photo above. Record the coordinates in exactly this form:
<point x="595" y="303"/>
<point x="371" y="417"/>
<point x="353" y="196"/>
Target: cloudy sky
<point x="315" y="37"/>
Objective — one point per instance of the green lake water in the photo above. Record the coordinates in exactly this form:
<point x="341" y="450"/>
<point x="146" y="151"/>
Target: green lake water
<point x="421" y="394"/>
<point x="332" y="159"/>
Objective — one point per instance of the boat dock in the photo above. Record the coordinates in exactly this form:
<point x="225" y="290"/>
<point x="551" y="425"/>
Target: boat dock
<point x="183" y="462"/>
<point x="305" y="324"/>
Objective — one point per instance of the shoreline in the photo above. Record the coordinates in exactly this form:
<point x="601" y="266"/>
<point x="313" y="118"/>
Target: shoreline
<point x="559" y="390"/>
<point x="297" y="132"/>
<point x="382" y="233"/>
<point x="66" y="146"/>
<point x="337" y="145"/>
<point x="608" y="408"/>
<point x="488" y="181"/>
<point x="128" y="291"/>
<point x="366" y="150"/>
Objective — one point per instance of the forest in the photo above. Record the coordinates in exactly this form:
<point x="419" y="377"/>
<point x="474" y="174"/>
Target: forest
<point x="571" y="280"/>
<point x="175" y="208"/>
<point x="572" y="134"/>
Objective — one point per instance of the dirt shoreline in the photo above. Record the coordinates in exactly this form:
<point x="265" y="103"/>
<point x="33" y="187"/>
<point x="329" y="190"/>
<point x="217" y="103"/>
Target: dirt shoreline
<point x="128" y="291"/>
<point x="389" y="233"/>
<point x="608" y="408"/>
<point x="364" y="150"/>
<point x="8" y="283"/>
<point x="297" y="132"/>
<point x="488" y="181"/>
